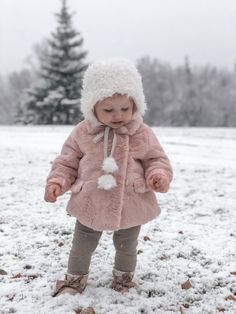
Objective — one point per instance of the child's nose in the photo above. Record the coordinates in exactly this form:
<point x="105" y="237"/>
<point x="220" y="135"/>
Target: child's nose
<point x="117" y="115"/>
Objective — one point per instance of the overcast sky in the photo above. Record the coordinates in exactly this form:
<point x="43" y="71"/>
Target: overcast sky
<point x="205" y="30"/>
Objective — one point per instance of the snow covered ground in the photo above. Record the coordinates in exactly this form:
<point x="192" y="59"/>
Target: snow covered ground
<point x="193" y="239"/>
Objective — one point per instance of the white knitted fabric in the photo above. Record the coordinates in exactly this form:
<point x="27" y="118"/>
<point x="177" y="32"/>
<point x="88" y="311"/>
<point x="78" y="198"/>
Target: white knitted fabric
<point x="105" y="78"/>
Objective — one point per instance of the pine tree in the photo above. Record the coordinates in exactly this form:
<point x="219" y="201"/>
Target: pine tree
<point x="56" y="98"/>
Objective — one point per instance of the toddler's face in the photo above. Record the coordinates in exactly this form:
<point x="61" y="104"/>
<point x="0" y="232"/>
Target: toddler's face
<point x="115" y="111"/>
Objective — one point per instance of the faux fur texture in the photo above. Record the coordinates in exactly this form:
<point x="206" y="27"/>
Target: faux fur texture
<point x="105" y="78"/>
<point x="138" y="155"/>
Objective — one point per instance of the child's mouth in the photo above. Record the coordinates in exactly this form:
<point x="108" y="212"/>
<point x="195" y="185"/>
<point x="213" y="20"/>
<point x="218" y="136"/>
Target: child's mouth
<point x="117" y="122"/>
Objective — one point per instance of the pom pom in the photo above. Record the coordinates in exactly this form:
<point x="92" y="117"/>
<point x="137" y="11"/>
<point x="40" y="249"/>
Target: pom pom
<point x="109" y="165"/>
<point x="106" y="182"/>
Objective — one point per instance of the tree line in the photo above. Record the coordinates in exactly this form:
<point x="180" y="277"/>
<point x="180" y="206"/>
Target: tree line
<point x="188" y="96"/>
<point x="49" y="91"/>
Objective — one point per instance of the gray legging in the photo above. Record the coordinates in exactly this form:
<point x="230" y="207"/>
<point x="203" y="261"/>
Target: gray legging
<point x="86" y="240"/>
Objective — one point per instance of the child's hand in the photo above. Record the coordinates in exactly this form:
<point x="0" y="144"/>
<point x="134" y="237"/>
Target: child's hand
<point x="52" y="191"/>
<point x="159" y="183"/>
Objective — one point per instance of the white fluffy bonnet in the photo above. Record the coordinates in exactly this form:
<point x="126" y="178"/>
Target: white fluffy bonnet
<point x="103" y="79"/>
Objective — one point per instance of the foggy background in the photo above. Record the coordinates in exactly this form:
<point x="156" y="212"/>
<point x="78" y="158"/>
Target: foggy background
<point x="185" y="51"/>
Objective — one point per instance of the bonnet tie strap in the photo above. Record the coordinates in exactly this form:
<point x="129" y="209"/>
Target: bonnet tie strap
<point x="108" y="181"/>
<point x="114" y="140"/>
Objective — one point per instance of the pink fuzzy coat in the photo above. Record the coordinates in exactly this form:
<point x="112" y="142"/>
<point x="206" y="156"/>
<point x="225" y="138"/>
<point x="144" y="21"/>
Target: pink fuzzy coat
<point x="138" y="155"/>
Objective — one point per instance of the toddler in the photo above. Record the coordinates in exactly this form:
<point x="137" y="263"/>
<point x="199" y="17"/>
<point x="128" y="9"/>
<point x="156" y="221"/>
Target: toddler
<point x="113" y="164"/>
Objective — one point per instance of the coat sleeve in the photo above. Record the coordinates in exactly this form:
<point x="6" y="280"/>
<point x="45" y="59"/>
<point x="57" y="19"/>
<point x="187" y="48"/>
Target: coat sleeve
<point x="64" y="169"/>
<point x="155" y="161"/>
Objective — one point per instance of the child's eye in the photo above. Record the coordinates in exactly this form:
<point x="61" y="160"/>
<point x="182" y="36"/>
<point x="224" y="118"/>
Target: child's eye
<point x="108" y="110"/>
<point x="125" y="109"/>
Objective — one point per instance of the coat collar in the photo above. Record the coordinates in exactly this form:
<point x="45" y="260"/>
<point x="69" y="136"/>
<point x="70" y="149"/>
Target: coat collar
<point x="129" y="129"/>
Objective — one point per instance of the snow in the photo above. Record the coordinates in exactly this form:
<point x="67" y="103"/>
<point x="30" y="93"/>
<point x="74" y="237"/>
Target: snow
<point x="194" y="238"/>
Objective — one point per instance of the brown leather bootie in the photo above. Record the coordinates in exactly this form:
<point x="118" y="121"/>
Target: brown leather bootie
<point x="72" y="284"/>
<point x="122" y="281"/>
